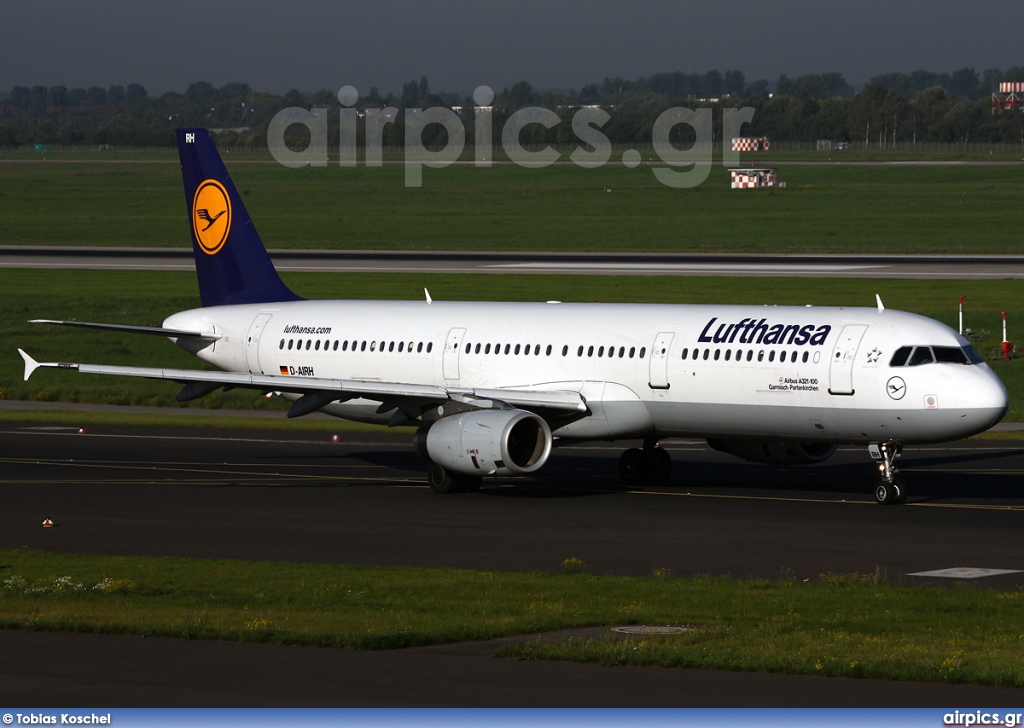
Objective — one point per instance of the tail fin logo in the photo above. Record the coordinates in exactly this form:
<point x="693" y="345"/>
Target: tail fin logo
<point x="211" y="216"/>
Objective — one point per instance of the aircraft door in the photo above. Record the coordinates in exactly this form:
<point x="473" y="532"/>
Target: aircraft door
<point x="840" y="373"/>
<point x="252" y="342"/>
<point x="659" y="360"/>
<point x="450" y="363"/>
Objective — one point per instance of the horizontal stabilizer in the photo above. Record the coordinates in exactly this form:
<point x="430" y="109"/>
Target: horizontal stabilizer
<point x="30" y="364"/>
<point x="153" y="330"/>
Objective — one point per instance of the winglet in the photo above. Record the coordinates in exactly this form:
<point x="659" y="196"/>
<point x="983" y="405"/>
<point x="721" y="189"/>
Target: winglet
<point x="878" y="300"/>
<point x="30" y="364"/>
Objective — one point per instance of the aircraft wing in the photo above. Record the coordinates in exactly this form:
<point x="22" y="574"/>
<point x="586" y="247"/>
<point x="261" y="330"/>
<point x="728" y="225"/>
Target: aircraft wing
<point x="318" y="392"/>
<point x="154" y="330"/>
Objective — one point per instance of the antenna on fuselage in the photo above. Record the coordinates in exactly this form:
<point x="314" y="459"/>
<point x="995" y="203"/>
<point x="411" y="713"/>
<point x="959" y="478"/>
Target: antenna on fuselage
<point x="427" y="294"/>
<point x="878" y="300"/>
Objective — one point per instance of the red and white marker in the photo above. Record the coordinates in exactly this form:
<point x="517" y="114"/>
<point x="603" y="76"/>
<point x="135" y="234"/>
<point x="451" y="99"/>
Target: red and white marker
<point x="47" y="523"/>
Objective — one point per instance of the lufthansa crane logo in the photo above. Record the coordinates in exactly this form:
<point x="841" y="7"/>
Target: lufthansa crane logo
<point x="211" y="216"/>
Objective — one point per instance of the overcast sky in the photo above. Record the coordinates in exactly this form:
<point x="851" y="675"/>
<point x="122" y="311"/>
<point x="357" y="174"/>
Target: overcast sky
<point x="460" y="44"/>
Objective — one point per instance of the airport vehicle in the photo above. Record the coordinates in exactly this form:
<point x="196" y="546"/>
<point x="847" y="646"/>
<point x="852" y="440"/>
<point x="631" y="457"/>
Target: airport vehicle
<point x="493" y="385"/>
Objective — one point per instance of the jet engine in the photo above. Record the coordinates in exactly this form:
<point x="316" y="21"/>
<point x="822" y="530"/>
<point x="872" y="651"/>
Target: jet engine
<point x="486" y="442"/>
<point x="776" y="452"/>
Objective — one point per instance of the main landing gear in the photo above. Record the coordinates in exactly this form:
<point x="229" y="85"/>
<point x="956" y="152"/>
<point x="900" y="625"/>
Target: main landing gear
<point x="890" y="490"/>
<point x="444" y="481"/>
<point x="652" y="465"/>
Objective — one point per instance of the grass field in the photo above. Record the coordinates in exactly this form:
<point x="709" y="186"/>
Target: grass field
<point x="146" y="298"/>
<point x="823" y="209"/>
<point x="848" y="625"/>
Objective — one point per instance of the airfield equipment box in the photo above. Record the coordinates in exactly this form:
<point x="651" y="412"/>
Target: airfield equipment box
<point x="743" y="179"/>
<point x="750" y="144"/>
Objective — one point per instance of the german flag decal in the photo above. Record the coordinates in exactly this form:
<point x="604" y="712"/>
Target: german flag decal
<point x="284" y="370"/>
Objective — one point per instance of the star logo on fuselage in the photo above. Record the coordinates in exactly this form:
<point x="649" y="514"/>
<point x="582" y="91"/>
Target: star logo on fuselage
<point x="873" y="355"/>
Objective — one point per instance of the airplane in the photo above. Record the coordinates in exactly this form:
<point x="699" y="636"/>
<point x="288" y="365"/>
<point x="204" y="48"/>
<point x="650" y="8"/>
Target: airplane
<point x="492" y="386"/>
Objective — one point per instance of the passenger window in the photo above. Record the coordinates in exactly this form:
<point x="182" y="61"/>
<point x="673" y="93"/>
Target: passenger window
<point x="469" y="348"/>
<point x="335" y="347"/>
<point x="547" y="352"/>
<point x="804" y="359"/>
<point x="517" y="348"/>
<point x="600" y="351"/>
<point x="290" y="342"/>
<point x="309" y="343"/>
<point x="921" y="355"/>
<point x="430" y="346"/>
<point x="771" y="356"/>
<point x="685" y="352"/>
<point x="707" y="353"/>
<point x="728" y="354"/>
<point x="696" y="353"/>
<point x="508" y="348"/>
<point x="282" y="344"/>
<point x="476" y="349"/>
<point x="643" y="350"/>
<point x="362" y="346"/>
<point x="717" y="354"/>
<point x="401" y="347"/>
<point x="419" y="347"/>
<point x="900" y="357"/>
<point x="782" y="357"/>
<point x="536" y="350"/>
<point x="632" y="350"/>
<point x="317" y="347"/>
<point x="760" y="355"/>
<point x="750" y="355"/>
<point x="344" y="345"/>
<point x="579" y="352"/>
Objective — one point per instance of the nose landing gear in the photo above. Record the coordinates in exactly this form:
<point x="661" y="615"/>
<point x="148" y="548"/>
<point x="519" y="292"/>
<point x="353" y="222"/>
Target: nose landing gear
<point x="890" y="490"/>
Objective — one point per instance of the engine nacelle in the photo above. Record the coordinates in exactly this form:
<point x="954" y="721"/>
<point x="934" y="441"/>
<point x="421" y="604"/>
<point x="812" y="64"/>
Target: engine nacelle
<point x="486" y="442"/>
<point x="776" y="452"/>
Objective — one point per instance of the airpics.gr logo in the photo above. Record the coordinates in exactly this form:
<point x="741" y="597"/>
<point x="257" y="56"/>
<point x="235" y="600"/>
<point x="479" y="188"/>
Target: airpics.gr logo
<point x="211" y="216"/>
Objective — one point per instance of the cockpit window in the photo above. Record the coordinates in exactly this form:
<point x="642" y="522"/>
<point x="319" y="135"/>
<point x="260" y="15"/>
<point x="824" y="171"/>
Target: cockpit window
<point x="950" y="355"/>
<point x="909" y="356"/>
<point x="972" y="355"/>
<point x="900" y="357"/>
<point x="921" y="355"/>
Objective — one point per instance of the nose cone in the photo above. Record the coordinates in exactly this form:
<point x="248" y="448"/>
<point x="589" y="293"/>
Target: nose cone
<point x="982" y="399"/>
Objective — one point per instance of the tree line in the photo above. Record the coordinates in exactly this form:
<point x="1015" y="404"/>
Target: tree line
<point x="897" y="107"/>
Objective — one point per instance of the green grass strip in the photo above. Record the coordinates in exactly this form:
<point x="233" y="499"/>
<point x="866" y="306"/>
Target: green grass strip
<point x="849" y="625"/>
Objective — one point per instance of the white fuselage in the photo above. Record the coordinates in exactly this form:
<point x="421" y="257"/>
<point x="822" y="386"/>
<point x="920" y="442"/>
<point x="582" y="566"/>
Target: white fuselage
<point x="742" y="372"/>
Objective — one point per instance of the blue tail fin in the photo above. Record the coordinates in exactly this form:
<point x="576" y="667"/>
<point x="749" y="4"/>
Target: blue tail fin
<point x="231" y="262"/>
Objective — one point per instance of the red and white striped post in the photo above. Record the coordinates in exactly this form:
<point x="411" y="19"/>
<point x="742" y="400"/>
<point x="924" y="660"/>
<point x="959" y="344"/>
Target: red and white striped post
<point x="962" y="314"/>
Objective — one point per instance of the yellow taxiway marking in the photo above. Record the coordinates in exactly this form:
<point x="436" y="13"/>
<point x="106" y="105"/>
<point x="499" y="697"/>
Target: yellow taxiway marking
<point x="783" y="499"/>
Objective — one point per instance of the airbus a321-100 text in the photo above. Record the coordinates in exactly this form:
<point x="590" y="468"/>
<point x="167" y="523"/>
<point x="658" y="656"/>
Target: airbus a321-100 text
<point x="492" y="385"/>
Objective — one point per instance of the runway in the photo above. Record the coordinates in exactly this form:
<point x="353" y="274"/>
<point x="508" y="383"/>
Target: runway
<point x="285" y="495"/>
<point x="647" y="264"/>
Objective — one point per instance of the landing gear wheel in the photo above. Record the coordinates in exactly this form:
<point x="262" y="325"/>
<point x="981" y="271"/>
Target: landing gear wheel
<point x="901" y="492"/>
<point x="659" y="466"/>
<point x="885" y="493"/>
<point x="632" y="466"/>
<point x="441" y="481"/>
